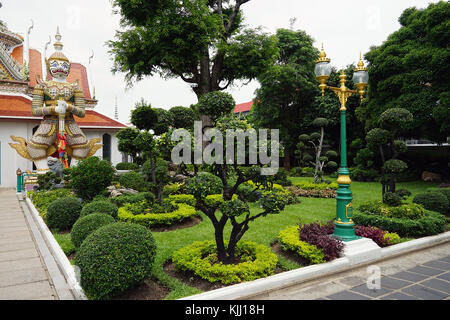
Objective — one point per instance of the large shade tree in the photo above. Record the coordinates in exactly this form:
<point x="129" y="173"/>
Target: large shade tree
<point x="411" y="70"/>
<point x="287" y="89"/>
<point x="203" y="42"/>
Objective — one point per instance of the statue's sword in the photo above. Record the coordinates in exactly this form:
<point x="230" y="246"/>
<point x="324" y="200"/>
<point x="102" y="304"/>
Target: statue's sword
<point x="62" y="141"/>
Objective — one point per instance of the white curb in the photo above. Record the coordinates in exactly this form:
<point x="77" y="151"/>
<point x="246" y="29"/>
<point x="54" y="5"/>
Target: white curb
<point x="60" y="257"/>
<point x="286" y="279"/>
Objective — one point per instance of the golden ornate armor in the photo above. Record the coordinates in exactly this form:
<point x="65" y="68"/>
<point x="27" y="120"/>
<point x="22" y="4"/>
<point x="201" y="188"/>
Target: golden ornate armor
<point x="56" y="101"/>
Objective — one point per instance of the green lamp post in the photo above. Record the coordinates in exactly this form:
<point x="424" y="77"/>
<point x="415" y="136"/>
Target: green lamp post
<point x="343" y="225"/>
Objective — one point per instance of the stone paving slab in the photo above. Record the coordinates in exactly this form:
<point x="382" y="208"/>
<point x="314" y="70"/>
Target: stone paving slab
<point x="23" y="274"/>
<point x="18" y="254"/>
<point x="422" y="282"/>
<point x="26" y="291"/>
<point x="418" y="275"/>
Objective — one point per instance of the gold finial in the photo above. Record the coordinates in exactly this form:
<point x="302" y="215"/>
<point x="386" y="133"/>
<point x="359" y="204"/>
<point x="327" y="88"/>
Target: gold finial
<point x="361" y="64"/>
<point x="322" y="56"/>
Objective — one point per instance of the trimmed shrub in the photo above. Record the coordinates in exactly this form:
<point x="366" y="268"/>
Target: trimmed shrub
<point x="149" y="220"/>
<point x="100" y="206"/>
<point x="90" y="177"/>
<point x="289" y="240"/>
<point x="114" y="258"/>
<point x="88" y="224"/>
<point x="444" y="191"/>
<point x="62" y="213"/>
<point x="133" y="180"/>
<point x="257" y="261"/>
<point x="42" y="199"/>
<point x="183" y="198"/>
<point x="407" y="211"/>
<point x="173" y="188"/>
<point x="133" y="198"/>
<point x="434" y="201"/>
<point x="431" y="223"/>
<point x="315" y="186"/>
<point x="127" y="166"/>
<point x="392" y="199"/>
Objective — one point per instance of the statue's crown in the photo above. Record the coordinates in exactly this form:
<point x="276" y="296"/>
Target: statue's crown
<point x="58" y="55"/>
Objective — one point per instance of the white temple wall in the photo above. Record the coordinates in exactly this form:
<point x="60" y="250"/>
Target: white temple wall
<point x="10" y="160"/>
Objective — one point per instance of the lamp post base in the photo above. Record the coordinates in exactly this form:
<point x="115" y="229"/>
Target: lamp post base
<point x="345" y="231"/>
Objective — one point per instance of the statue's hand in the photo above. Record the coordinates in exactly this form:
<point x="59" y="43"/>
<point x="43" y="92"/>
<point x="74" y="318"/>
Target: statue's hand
<point x="61" y="107"/>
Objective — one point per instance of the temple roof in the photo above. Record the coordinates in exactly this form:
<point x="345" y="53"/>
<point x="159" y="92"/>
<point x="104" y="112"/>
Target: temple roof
<point x="19" y="107"/>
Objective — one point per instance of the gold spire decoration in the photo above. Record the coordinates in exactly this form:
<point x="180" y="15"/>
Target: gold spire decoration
<point x="360" y="64"/>
<point x="323" y="56"/>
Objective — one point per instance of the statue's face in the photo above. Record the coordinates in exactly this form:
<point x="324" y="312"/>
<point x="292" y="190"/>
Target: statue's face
<point x="59" y="69"/>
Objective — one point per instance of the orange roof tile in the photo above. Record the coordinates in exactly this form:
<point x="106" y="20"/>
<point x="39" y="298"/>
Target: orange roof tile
<point x="243" y="107"/>
<point x="20" y="107"/>
<point x="17" y="54"/>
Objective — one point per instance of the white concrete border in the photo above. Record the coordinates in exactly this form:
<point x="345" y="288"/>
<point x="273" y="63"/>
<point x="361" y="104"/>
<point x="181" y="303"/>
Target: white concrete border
<point x="63" y="263"/>
<point x="286" y="279"/>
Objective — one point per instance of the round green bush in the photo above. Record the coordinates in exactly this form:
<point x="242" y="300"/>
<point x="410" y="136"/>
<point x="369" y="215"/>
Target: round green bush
<point x="88" y="224"/>
<point x="90" y="177"/>
<point x="132" y="180"/>
<point x="434" y="201"/>
<point x="100" y="206"/>
<point x="62" y="213"/>
<point x="200" y="257"/>
<point x="114" y="258"/>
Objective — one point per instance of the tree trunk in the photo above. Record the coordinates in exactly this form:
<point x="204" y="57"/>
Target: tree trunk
<point x="287" y="160"/>
<point x="383" y="182"/>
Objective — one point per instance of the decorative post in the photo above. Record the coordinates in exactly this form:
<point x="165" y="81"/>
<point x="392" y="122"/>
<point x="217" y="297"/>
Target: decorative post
<point x="343" y="225"/>
<point x="19" y="180"/>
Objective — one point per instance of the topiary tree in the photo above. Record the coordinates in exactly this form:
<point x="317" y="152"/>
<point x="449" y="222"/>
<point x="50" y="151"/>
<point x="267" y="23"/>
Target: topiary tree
<point x="90" y="177"/>
<point x="114" y="258"/>
<point x="62" y="213"/>
<point x="319" y="161"/>
<point x="393" y="122"/>
<point x="215" y="193"/>
<point x="162" y="176"/>
<point x="126" y="143"/>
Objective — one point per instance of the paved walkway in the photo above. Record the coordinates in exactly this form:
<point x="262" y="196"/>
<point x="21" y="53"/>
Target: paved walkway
<point x="24" y="271"/>
<point x="421" y="275"/>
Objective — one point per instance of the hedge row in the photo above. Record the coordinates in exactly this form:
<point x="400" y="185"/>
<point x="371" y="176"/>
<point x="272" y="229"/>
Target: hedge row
<point x="431" y="223"/>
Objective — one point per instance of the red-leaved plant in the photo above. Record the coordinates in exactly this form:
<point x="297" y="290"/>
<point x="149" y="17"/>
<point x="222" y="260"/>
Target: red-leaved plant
<point x="319" y="235"/>
<point x="376" y="234"/>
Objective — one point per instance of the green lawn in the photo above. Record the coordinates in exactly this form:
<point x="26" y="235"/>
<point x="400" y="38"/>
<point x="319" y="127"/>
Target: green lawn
<point x="265" y="229"/>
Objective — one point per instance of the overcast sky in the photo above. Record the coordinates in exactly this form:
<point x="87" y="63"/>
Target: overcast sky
<point x="345" y="27"/>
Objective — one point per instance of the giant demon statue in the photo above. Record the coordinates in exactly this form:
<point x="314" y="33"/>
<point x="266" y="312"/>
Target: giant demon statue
<point x="57" y="101"/>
